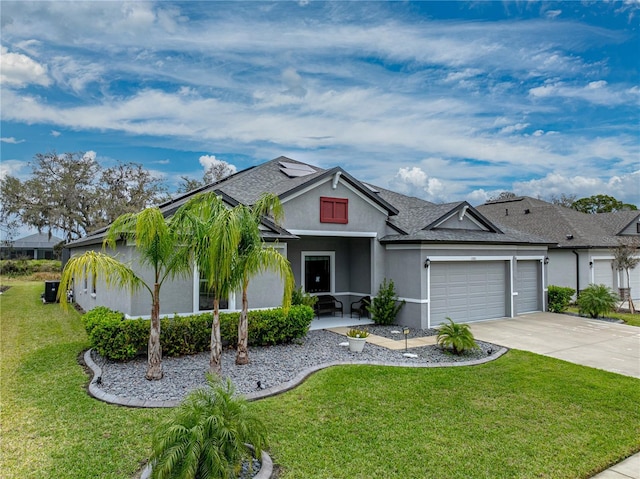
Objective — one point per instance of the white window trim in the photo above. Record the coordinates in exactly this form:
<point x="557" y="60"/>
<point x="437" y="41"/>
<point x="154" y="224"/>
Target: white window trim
<point x="332" y="266"/>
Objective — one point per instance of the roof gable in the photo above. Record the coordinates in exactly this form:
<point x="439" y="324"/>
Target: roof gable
<point x="463" y="217"/>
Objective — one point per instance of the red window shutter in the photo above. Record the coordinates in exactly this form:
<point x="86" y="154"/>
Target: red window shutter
<point x="334" y="210"/>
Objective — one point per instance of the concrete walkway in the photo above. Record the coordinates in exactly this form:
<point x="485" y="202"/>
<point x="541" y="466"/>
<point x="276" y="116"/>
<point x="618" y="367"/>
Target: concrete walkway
<point x="598" y="344"/>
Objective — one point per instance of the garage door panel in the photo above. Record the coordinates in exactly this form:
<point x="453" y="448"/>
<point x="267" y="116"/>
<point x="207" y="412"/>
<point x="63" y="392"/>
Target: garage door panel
<point x="603" y="272"/>
<point x="467" y="291"/>
<point x="527" y="286"/>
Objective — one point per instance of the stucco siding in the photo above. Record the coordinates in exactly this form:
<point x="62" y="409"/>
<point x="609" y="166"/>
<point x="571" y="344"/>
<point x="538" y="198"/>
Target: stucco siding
<point x="303" y="212"/>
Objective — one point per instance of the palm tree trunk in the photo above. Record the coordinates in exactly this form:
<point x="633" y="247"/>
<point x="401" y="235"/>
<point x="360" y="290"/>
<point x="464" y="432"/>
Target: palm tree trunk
<point x="154" y="350"/>
<point x="216" y="343"/>
<point x="242" y="356"/>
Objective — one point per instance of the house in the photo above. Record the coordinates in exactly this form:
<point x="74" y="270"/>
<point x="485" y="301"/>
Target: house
<point x="584" y="243"/>
<point x="35" y="246"/>
<point x="344" y="237"/>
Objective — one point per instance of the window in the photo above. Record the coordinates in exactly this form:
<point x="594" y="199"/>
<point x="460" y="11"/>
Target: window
<point x="205" y="297"/>
<point x="638" y="227"/>
<point x="334" y="210"/>
<point x="318" y="271"/>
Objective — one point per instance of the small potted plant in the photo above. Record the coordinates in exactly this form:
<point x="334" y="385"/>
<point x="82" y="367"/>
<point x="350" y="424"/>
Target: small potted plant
<point x="357" y="338"/>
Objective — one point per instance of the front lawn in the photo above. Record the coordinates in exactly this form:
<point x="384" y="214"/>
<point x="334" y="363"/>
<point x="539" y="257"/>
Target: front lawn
<point x="521" y="416"/>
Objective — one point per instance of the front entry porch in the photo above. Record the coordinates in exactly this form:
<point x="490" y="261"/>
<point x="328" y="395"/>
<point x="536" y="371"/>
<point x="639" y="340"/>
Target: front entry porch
<point x="328" y="322"/>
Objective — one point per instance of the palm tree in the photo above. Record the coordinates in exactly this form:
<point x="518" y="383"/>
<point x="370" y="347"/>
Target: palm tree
<point x="206" y="436"/>
<point x="212" y="234"/>
<point x="253" y="258"/>
<point x="159" y="247"/>
<point x="456" y="336"/>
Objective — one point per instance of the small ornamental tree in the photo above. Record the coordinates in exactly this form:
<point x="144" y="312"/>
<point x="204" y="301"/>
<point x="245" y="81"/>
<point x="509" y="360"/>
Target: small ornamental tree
<point x="627" y="257"/>
<point x="385" y="306"/>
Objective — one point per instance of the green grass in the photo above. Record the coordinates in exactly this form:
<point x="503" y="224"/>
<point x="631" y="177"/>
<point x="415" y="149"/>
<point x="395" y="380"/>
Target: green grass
<point x="50" y="427"/>
<point x="521" y="416"/>
<point x="628" y="318"/>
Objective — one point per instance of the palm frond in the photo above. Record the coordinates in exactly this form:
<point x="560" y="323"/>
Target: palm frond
<point x="93" y="265"/>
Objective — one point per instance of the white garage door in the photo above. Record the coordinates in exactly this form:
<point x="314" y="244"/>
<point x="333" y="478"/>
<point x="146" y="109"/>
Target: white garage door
<point x="468" y="291"/>
<point x="602" y="272"/>
<point x="528" y="287"/>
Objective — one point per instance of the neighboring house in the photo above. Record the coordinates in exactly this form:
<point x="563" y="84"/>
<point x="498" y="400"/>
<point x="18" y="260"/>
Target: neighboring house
<point x="583" y="253"/>
<point x="343" y="237"/>
<point x="35" y="246"/>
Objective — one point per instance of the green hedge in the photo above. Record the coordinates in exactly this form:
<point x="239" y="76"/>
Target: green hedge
<point x="559" y="298"/>
<point x="114" y="337"/>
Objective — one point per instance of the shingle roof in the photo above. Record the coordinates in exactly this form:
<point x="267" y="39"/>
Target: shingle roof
<point x="563" y="226"/>
<point x="37" y="240"/>
<point x="413" y="218"/>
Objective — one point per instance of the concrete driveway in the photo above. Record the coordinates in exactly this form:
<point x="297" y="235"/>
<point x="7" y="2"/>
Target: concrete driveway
<point x="598" y="344"/>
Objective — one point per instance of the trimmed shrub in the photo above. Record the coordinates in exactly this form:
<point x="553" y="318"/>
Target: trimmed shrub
<point x="457" y="337"/>
<point x="385" y="306"/>
<point x="559" y="298"/>
<point x="596" y="300"/>
<point x="116" y="338"/>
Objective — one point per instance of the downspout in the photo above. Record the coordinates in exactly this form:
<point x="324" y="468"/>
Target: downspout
<point x="577" y="273"/>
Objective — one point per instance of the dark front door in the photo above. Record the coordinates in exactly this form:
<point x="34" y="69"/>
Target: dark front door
<point x="317" y="274"/>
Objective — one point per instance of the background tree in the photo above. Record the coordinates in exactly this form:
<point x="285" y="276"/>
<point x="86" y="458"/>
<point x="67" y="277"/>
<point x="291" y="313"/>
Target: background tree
<point x="504" y="195"/>
<point x="255" y="257"/>
<point x="126" y="188"/>
<point x="563" y="200"/>
<point x="601" y="204"/>
<point x="217" y="171"/>
<point x="626" y="258"/>
<point x="71" y="193"/>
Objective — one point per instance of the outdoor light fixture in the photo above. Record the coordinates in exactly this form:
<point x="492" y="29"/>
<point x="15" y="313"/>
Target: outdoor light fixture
<point x="546" y="260"/>
<point x="427" y="263"/>
<point x="405" y="331"/>
<point x="590" y="264"/>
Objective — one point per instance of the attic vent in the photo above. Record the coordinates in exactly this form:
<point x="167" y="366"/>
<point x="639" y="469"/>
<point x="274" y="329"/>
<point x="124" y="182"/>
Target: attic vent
<point x="295" y="170"/>
<point x="527" y="211"/>
<point x="569" y="236"/>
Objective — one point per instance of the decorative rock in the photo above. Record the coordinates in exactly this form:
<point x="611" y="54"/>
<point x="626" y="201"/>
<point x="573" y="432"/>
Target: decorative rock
<point x="272" y="366"/>
<point x="410" y="355"/>
<point x="395" y="331"/>
<point x="345" y="344"/>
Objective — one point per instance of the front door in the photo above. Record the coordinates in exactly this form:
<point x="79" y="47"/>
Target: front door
<point x="317" y="274"/>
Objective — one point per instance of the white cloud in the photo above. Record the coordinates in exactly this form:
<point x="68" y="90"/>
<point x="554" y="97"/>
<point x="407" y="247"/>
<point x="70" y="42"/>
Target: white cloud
<point x="622" y="187"/>
<point x="207" y="161"/>
<point x="11" y="168"/>
<point x="11" y="140"/>
<point x="514" y="128"/>
<point x="55" y="133"/>
<point x="596" y="92"/>
<point x="20" y="70"/>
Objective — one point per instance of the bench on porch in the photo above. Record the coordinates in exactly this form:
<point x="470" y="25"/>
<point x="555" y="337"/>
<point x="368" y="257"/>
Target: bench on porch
<point x="328" y="304"/>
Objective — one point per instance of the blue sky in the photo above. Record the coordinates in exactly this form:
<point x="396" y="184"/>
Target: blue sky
<point x="447" y="101"/>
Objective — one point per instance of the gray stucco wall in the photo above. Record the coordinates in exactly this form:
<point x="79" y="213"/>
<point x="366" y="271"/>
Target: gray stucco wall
<point x="303" y="212"/>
